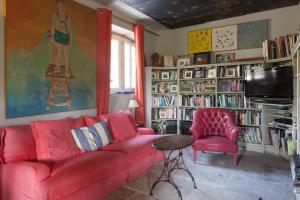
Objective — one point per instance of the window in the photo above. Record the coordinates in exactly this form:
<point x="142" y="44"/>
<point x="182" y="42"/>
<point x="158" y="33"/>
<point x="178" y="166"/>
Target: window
<point x="123" y="66"/>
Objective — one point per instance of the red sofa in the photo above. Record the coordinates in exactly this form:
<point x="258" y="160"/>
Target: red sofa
<point x="214" y="130"/>
<point x="91" y="175"/>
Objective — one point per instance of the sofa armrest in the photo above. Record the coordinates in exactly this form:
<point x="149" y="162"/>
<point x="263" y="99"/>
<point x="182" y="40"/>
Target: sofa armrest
<point x="23" y="177"/>
<point x="145" y="131"/>
<point x="232" y="132"/>
<point x="196" y="132"/>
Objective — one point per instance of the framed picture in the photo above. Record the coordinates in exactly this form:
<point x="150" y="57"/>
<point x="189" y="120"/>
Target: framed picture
<point x="201" y="58"/>
<point x="225" y="57"/>
<point x="183" y="62"/>
<point x="212" y="73"/>
<point x="162" y="114"/>
<point x="165" y="76"/>
<point x="230" y="72"/>
<point x="200" y="73"/>
<point x="154" y="88"/>
<point x="168" y="61"/>
<point x="174" y="88"/>
<point x="188" y="75"/>
<point x="153" y="75"/>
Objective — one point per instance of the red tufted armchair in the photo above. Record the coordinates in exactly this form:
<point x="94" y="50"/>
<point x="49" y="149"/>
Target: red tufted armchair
<point x="215" y="130"/>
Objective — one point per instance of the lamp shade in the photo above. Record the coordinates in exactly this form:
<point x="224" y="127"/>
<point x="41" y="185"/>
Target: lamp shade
<point x="133" y="104"/>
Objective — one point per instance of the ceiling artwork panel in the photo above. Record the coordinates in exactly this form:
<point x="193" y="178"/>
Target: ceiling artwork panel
<point x="224" y="38"/>
<point x="182" y="13"/>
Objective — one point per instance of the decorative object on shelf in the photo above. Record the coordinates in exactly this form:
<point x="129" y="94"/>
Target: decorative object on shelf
<point x="224" y="38"/>
<point x="252" y="34"/>
<point x="174" y="88"/>
<point x="165" y="75"/>
<point x="162" y="114"/>
<point x="132" y="105"/>
<point x="162" y="87"/>
<point x="200" y="41"/>
<point x="230" y="72"/>
<point x="155" y="60"/>
<point x="154" y="75"/>
<point x="168" y="61"/>
<point x="200" y="73"/>
<point x="201" y="58"/>
<point x="183" y="61"/>
<point x="188" y="75"/>
<point x="212" y="73"/>
<point x="225" y="57"/>
<point x="154" y="88"/>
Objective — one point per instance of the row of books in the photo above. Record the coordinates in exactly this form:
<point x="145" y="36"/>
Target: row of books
<point x="164" y="113"/>
<point x="203" y="86"/>
<point x="278" y="138"/>
<point x="280" y="47"/>
<point x="231" y="85"/>
<point x="160" y="101"/>
<point x="252" y="135"/>
<point x="197" y="101"/>
<point x="248" y="117"/>
<point x="186" y="114"/>
<point x="164" y="75"/>
<point x="165" y="127"/>
<point x="232" y="101"/>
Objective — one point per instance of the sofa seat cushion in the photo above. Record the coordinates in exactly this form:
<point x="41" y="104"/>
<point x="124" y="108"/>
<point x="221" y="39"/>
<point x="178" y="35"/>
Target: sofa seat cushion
<point x="216" y="144"/>
<point x="18" y="144"/>
<point x="82" y="171"/>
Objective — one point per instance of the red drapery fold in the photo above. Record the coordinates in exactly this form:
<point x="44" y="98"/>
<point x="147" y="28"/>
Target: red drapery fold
<point x="139" y="88"/>
<point x="104" y="34"/>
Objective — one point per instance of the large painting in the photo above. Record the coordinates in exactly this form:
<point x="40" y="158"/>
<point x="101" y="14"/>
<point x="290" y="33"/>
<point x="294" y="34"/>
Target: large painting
<point x="50" y="57"/>
<point x="224" y="38"/>
<point x="252" y="34"/>
<point x="200" y="41"/>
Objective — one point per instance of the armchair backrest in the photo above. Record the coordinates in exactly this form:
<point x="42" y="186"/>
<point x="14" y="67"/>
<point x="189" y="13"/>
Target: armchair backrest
<point x="211" y="122"/>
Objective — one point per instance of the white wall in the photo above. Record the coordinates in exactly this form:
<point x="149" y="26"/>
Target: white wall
<point x="282" y="21"/>
<point x="117" y="102"/>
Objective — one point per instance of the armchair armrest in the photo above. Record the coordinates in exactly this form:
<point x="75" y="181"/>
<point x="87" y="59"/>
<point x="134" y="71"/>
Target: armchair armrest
<point x="232" y="132"/>
<point x="23" y="177"/>
<point x="196" y="132"/>
<point x="145" y="131"/>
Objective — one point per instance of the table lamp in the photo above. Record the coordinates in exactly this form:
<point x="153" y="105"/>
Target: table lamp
<point x="132" y="105"/>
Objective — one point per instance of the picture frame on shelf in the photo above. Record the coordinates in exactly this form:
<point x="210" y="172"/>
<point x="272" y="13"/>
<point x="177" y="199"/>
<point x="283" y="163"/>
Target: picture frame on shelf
<point x="212" y="73"/>
<point x="186" y="88"/>
<point x="225" y="57"/>
<point x="154" y="76"/>
<point x="188" y="74"/>
<point x="230" y="72"/>
<point x="200" y="73"/>
<point x="168" y="61"/>
<point x="162" y="114"/>
<point x="183" y="61"/>
<point x="165" y="75"/>
<point x="174" y="88"/>
<point x="201" y="58"/>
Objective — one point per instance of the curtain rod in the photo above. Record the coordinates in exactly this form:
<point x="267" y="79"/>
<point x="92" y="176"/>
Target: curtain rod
<point x="128" y="22"/>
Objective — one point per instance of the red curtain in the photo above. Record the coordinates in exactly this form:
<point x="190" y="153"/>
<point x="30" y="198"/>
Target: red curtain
<point x="104" y="34"/>
<point x="139" y="88"/>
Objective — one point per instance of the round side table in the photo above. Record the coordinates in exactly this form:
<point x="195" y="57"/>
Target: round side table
<point x="172" y="163"/>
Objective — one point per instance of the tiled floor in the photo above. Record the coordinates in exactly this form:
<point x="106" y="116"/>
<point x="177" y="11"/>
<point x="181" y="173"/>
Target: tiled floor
<point x="257" y="176"/>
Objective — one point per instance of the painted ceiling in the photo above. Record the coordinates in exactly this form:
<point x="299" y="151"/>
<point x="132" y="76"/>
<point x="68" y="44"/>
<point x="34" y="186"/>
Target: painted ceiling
<point x="181" y="13"/>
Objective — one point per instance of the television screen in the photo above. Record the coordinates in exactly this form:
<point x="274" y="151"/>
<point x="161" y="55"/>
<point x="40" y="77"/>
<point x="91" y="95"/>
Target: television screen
<point x="276" y="83"/>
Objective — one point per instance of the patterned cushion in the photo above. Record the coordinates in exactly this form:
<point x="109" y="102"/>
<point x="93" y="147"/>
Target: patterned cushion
<point x="92" y="137"/>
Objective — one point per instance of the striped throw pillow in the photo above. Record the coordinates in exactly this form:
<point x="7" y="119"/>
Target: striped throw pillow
<point x="92" y="137"/>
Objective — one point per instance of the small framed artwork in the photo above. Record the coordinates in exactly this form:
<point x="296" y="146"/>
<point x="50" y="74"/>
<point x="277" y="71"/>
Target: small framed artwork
<point x="230" y="72"/>
<point x="201" y="58"/>
<point x="154" y="88"/>
<point x="162" y="114"/>
<point x="153" y="75"/>
<point x="200" y="73"/>
<point x="225" y="57"/>
<point x="212" y="73"/>
<point x="165" y="76"/>
<point x="188" y="75"/>
<point x="184" y="61"/>
<point x="168" y="61"/>
<point x="174" y="88"/>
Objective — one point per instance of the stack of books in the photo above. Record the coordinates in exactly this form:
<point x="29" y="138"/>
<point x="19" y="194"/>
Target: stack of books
<point x="231" y="86"/>
<point x="252" y="135"/>
<point x="231" y="101"/>
<point x="199" y="101"/>
<point x="248" y="117"/>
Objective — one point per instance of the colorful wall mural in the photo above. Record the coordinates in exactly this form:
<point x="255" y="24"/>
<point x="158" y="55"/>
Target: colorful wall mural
<point x="50" y="57"/>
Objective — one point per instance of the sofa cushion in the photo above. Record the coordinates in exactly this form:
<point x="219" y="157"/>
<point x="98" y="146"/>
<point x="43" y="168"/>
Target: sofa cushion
<point x="17" y="144"/>
<point x="215" y="143"/>
<point x="73" y="174"/>
<point x="54" y="140"/>
<point x="93" y="137"/>
<point x="121" y="126"/>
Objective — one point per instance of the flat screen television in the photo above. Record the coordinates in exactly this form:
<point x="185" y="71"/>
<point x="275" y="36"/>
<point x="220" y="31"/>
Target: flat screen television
<point x="270" y="84"/>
